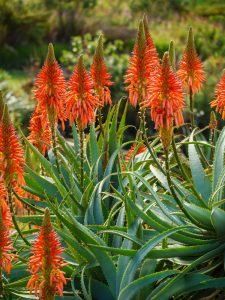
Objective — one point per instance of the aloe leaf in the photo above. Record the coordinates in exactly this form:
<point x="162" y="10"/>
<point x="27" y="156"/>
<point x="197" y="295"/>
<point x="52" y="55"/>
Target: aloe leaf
<point x="202" y="183"/>
<point x="218" y="158"/>
<point x="218" y="221"/>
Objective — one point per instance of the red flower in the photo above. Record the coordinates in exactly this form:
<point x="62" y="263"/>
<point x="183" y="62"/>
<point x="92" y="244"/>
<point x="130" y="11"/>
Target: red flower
<point x="166" y="97"/>
<point x="5" y="225"/>
<point x="11" y="152"/>
<point x="47" y="279"/>
<point x="81" y="102"/>
<point x="152" y="52"/>
<point x="100" y="76"/>
<point x="219" y="101"/>
<point x="40" y="132"/>
<point x="191" y="70"/>
<point x="142" y="66"/>
<point x="50" y="88"/>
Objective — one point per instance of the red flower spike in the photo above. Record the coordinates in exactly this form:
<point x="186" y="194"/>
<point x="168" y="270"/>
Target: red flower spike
<point x="191" y="70"/>
<point x="47" y="279"/>
<point x="81" y="101"/>
<point x="219" y="101"/>
<point x="139" y="69"/>
<point x="166" y="97"/>
<point x="152" y="52"/>
<point x="11" y="152"/>
<point x="50" y="89"/>
<point x="5" y="224"/>
<point x="40" y="132"/>
<point x="100" y="76"/>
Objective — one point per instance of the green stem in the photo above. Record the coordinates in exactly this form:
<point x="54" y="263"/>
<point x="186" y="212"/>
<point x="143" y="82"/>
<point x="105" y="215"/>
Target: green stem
<point x="192" y="117"/>
<point x="54" y="146"/>
<point x="81" y="132"/>
<point x="212" y="143"/>
<point x="100" y="121"/>
<point x="9" y="190"/>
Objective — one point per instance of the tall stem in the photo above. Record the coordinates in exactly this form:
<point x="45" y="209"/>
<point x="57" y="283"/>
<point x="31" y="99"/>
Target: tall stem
<point x="9" y="190"/>
<point x="212" y="143"/>
<point x="81" y="132"/>
<point x="192" y="117"/>
<point x="54" y="145"/>
<point x="100" y="121"/>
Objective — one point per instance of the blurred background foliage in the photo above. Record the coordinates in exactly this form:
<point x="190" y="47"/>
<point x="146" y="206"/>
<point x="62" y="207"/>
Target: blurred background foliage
<point x="26" y="27"/>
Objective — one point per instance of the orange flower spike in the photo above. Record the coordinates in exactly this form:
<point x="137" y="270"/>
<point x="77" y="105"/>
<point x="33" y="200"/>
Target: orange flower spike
<point x="138" y="70"/>
<point x="219" y="101"/>
<point x="50" y="88"/>
<point x="40" y="132"/>
<point x="5" y="224"/>
<point x="166" y="97"/>
<point x="47" y="279"/>
<point x="81" y="101"/>
<point x="100" y="75"/>
<point x="152" y="52"/>
<point x="12" y="155"/>
<point x="191" y="70"/>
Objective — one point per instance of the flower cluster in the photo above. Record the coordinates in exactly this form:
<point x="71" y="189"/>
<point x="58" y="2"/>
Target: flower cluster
<point x="191" y="70"/>
<point x="45" y="263"/>
<point x="100" y="76"/>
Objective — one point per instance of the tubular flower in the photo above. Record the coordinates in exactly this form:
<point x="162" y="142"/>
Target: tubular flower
<point x="50" y="88"/>
<point x="81" y="101"/>
<point x="151" y="49"/>
<point x="134" y="150"/>
<point x="11" y="152"/>
<point x="166" y="97"/>
<point x="40" y="132"/>
<point x="139" y="69"/>
<point x="191" y="70"/>
<point x="47" y="279"/>
<point x="5" y="225"/>
<point x="219" y="102"/>
<point x="100" y="76"/>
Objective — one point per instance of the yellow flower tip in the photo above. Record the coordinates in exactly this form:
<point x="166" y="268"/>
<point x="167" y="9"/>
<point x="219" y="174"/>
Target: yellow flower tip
<point x="172" y="54"/>
<point x="99" y="50"/>
<point x="5" y="117"/>
<point x="51" y="54"/>
<point x="47" y="217"/>
<point x="190" y="41"/>
<point x="165" y="59"/>
<point x="141" y="40"/>
<point x="2" y="104"/>
<point x="213" y="121"/>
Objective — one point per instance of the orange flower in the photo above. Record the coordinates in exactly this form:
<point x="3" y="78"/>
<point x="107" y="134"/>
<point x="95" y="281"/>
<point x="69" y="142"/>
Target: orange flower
<point x="47" y="279"/>
<point x="152" y="52"/>
<point x="50" y="88"/>
<point x="5" y="225"/>
<point x="100" y="76"/>
<point x="138" y="69"/>
<point x="166" y="97"/>
<point x="11" y="152"/>
<point x="191" y="70"/>
<point x="219" y="102"/>
<point x="40" y="132"/>
<point x="81" y="102"/>
<point x="134" y="150"/>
